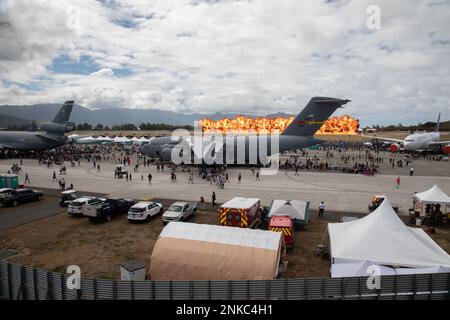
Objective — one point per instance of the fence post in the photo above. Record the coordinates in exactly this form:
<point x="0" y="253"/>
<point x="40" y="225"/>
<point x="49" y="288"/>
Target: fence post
<point x="10" y="288"/>
<point x="170" y="290"/>
<point x="22" y="293"/>
<point x="286" y="288"/>
<point x="132" y="289"/>
<point x="431" y="285"/>
<point x="191" y="291"/>
<point x="49" y="295"/>
<point x="209" y="289"/>
<point x="268" y="289"/>
<point x="395" y="287"/>
<point x="306" y="289"/>
<point x="95" y="289"/>
<point x="153" y="290"/>
<point x="343" y="288"/>
<point x="35" y="285"/>
<point x="414" y="286"/>
<point x="63" y="287"/>
<point x="114" y="285"/>
<point x="230" y="291"/>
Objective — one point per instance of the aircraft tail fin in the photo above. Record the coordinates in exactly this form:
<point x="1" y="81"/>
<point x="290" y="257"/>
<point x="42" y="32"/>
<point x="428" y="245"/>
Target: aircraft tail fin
<point x="311" y="118"/>
<point x="63" y="114"/>
<point x="437" y="123"/>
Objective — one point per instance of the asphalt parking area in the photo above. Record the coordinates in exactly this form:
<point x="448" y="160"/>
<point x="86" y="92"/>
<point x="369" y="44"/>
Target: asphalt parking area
<point x="14" y="216"/>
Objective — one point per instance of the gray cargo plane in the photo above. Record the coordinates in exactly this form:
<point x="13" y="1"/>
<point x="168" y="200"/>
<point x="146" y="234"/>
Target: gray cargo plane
<point x="52" y="138"/>
<point x="299" y="134"/>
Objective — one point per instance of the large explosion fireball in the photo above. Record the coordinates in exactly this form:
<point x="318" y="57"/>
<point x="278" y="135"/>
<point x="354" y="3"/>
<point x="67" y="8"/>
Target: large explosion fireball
<point x="334" y="125"/>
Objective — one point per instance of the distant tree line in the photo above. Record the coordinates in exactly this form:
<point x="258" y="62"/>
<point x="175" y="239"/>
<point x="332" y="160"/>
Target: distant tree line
<point x="427" y="126"/>
<point x="100" y="127"/>
<point x="130" y="127"/>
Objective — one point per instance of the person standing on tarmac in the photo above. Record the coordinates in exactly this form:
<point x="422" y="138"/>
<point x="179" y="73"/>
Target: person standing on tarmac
<point x="213" y="198"/>
<point x="321" y="209"/>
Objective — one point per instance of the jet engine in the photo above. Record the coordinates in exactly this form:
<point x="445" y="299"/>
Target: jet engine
<point x="57" y="127"/>
<point x="447" y="149"/>
<point x="394" y="147"/>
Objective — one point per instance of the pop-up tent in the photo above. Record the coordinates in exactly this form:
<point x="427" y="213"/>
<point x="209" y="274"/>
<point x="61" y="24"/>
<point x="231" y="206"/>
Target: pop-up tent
<point x="368" y="268"/>
<point x="382" y="238"/>
<point x="298" y="210"/>
<point x="87" y="140"/>
<point x="359" y="269"/>
<point x="433" y="195"/>
<point x="189" y="251"/>
<point x="121" y="140"/>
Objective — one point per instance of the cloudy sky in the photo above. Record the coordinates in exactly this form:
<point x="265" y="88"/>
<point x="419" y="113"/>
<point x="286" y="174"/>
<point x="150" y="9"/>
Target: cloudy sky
<point x="232" y="56"/>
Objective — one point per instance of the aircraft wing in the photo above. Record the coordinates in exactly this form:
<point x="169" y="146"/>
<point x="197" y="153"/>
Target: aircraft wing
<point x="438" y="143"/>
<point x="46" y="138"/>
<point x="384" y="139"/>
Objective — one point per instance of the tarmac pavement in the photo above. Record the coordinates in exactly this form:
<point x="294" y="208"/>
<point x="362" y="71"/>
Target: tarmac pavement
<point x="341" y="192"/>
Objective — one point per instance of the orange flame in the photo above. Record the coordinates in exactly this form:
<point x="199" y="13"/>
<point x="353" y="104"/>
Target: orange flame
<point x="334" y="125"/>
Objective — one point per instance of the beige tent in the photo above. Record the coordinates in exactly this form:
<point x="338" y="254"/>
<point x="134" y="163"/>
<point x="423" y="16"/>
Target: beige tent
<point x="188" y="251"/>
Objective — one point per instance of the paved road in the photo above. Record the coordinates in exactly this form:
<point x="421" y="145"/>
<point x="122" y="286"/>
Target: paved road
<point x="28" y="212"/>
<point x="341" y="192"/>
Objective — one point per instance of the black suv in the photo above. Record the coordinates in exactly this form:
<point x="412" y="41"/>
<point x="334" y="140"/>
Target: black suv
<point x="15" y="197"/>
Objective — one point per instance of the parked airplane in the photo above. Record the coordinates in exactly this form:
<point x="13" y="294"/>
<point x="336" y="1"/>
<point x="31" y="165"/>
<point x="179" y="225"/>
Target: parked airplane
<point x="417" y="141"/>
<point x="52" y="138"/>
<point x="299" y="134"/>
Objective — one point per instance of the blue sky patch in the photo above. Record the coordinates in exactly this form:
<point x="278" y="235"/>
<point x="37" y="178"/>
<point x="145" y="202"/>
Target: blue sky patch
<point x="64" y="64"/>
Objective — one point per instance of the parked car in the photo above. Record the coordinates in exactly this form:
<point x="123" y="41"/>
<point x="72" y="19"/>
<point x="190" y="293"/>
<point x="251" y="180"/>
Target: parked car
<point x="75" y="207"/>
<point x="179" y="211"/>
<point x="144" y="210"/>
<point x="104" y="210"/>
<point x="14" y="197"/>
<point x="3" y="193"/>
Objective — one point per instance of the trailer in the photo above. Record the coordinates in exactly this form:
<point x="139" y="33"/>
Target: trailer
<point x="241" y="212"/>
<point x="285" y="225"/>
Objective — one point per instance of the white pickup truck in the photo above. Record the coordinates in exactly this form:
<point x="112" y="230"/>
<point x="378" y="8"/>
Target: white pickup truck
<point x="179" y="211"/>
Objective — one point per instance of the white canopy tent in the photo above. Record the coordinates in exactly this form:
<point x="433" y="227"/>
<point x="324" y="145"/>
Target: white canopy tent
<point x="368" y="268"/>
<point x="298" y="210"/>
<point x="433" y="195"/>
<point x="143" y="140"/>
<point x="121" y="140"/>
<point x="382" y="238"/>
<point x="359" y="269"/>
<point x="87" y="140"/>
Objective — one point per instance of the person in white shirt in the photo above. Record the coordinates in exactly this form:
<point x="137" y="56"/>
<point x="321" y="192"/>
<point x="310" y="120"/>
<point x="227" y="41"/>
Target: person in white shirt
<point x="321" y="209"/>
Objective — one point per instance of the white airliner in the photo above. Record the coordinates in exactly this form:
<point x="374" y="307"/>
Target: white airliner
<point x="417" y="141"/>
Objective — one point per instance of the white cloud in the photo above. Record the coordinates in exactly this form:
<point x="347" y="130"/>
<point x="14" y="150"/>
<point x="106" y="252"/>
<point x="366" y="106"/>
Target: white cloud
<point x="242" y="56"/>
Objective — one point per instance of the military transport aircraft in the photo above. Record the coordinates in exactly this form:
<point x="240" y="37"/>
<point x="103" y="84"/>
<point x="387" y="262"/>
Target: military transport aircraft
<point x="52" y="137"/>
<point x="299" y="134"/>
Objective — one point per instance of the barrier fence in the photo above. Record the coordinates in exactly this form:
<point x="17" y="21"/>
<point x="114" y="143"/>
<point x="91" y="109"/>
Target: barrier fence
<point x="28" y="283"/>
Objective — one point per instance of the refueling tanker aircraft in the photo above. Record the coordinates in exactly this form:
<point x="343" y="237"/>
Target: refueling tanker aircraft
<point x="299" y="134"/>
<point x="417" y="141"/>
<point x="52" y="137"/>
